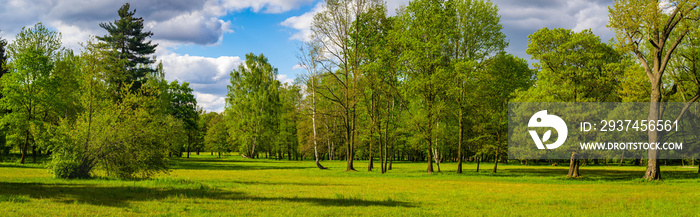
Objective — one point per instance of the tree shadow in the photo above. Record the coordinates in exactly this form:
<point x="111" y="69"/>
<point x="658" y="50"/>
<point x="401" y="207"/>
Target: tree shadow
<point x="344" y="202"/>
<point x="284" y="183"/>
<point x="596" y="174"/>
<point x="23" y="166"/>
<point x="121" y="196"/>
<point x="214" y="164"/>
<point x="228" y="164"/>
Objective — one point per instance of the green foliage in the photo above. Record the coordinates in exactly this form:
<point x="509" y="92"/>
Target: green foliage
<point x="426" y="63"/>
<point x="127" y="138"/>
<point x="253" y="101"/>
<point x="128" y="42"/>
<point x="504" y="75"/>
<point x="3" y="57"/>
<point x="4" y="146"/>
<point x="290" y="100"/>
<point x="29" y="90"/>
<point x="183" y="107"/>
<point x="217" y="137"/>
<point x="573" y="67"/>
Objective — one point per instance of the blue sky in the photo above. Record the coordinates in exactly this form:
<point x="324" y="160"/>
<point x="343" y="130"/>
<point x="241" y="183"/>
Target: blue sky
<point x="256" y="33"/>
<point x="201" y="41"/>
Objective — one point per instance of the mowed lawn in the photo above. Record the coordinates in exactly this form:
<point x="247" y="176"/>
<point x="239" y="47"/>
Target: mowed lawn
<point x="233" y="186"/>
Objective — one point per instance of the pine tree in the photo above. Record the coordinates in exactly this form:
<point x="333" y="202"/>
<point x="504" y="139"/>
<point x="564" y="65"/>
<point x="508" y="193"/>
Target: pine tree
<point x="128" y="40"/>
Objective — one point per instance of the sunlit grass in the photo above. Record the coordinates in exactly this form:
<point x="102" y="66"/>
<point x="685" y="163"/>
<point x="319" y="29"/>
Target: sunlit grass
<point x="207" y="186"/>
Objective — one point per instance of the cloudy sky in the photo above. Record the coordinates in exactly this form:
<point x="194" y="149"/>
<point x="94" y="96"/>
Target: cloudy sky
<point x="201" y="41"/>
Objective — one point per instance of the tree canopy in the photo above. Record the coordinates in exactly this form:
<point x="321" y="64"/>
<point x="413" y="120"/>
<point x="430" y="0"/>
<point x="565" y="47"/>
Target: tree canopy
<point x="128" y="41"/>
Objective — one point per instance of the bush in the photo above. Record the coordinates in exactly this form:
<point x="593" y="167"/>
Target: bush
<point x="66" y="169"/>
<point x="128" y="140"/>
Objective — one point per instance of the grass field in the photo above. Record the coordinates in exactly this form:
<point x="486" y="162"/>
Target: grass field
<point x="206" y="186"/>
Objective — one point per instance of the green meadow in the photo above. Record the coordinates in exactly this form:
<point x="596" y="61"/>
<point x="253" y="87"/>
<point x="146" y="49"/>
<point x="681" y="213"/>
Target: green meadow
<point x="234" y="186"/>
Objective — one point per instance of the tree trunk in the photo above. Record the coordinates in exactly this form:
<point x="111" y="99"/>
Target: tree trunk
<point x="328" y="142"/>
<point x="459" y="143"/>
<point x="219" y="155"/>
<point x="478" y="161"/>
<point x="317" y="163"/>
<point x="391" y="158"/>
<point x="653" y="171"/>
<point x="24" y="147"/>
<point x="436" y="156"/>
<point x="429" y="140"/>
<point x="622" y="157"/>
<point x="495" y="165"/>
<point x="573" y="166"/>
<point x="33" y="153"/>
<point x="348" y="142"/>
<point x="430" y="154"/>
<point x="370" y="163"/>
<point x="313" y="121"/>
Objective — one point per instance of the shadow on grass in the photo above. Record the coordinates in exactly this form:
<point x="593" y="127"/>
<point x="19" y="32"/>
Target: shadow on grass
<point x="340" y="201"/>
<point x="228" y="164"/>
<point x="122" y="196"/>
<point x="284" y="183"/>
<point x="596" y="174"/>
<point x="23" y="166"/>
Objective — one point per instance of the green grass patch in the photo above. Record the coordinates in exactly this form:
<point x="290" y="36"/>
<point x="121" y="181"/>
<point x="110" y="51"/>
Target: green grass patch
<point x="233" y="186"/>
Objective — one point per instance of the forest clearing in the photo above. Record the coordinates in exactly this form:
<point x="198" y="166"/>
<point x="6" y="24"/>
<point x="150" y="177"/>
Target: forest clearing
<point x="234" y="186"/>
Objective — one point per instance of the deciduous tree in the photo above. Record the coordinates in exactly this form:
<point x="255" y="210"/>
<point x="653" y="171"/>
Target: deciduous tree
<point x="419" y="27"/>
<point x="573" y="67"/>
<point x="652" y="30"/>
<point x="253" y="104"/>
<point x="28" y="90"/>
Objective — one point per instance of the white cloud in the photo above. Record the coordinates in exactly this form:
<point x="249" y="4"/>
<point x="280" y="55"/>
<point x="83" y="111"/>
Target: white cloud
<point x="594" y="17"/>
<point x="302" y="23"/>
<point x="576" y="15"/>
<point x="285" y="79"/>
<point x="210" y="102"/>
<point x="522" y="18"/>
<point x="298" y="66"/>
<point x="392" y="5"/>
<point x="179" y="21"/>
<point x="194" y="27"/>
<point x="207" y="76"/>
<point x="71" y="36"/>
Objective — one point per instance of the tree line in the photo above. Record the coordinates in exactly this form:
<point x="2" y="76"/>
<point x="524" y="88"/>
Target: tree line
<point x="433" y="83"/>
<point x="430" y="84"/>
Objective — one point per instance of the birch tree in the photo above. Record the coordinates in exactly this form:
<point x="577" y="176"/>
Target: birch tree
<point x="253" y="104"/>
<point x="332" y="28"/>
<point x="309" y="57"/>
